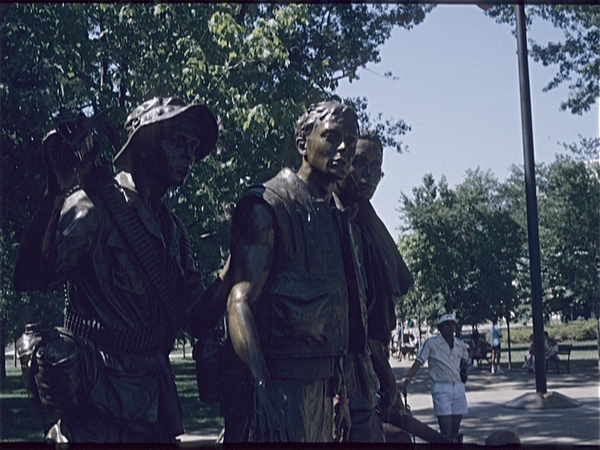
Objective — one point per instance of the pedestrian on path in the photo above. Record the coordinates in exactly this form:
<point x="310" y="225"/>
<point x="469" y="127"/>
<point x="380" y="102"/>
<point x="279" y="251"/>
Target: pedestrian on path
<point x="496" y="340"/>
<point x="446" y="355"/>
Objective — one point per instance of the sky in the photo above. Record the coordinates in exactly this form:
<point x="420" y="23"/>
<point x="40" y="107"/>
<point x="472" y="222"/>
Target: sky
<point x="458" y="90"/>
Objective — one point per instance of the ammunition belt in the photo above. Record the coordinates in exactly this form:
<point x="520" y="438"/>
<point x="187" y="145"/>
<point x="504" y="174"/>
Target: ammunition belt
<point x="130" y="340"/>
<point x="133" y="232"/>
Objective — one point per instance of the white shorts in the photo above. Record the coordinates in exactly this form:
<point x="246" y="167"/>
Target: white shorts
<point x="449" y="399"/>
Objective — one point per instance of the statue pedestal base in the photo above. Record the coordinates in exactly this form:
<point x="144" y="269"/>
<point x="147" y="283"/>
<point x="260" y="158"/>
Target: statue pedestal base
<point x="536" y="400"/>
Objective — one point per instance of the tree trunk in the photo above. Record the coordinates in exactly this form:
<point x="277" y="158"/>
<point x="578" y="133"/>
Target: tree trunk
<point x="509" y="343"/>
<point x="598" y="337"/>
<point x="419" y="326"/>
<point x="2" y="353"/>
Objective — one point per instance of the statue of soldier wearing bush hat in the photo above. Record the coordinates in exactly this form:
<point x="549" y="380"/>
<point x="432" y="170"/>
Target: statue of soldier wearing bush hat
<point x="130" y="279"/>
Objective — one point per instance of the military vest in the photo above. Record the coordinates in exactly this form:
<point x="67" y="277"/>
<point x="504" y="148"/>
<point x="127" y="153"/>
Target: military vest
<point x="303" y="311"/>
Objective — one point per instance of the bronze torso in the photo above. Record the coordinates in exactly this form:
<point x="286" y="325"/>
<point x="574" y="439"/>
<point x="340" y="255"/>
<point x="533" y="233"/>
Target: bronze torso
<point x="105" y="281"/>
<point x="111" y="302"/>
<point x="303" y="312"/>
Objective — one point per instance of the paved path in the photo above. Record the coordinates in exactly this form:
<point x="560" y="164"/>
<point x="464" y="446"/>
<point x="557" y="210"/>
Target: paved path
<point x="487" y="394"/>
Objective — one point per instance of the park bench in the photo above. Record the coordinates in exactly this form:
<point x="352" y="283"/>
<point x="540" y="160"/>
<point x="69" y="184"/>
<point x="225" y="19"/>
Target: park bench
<point x="563" y="357"/>
<point x="487" y="359"/>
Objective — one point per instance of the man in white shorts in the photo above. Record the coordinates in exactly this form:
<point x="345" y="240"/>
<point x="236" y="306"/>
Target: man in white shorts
<point x="446" y="355"/>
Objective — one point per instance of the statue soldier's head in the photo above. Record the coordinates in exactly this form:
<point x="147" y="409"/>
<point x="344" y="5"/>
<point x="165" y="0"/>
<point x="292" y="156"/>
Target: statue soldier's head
<point x="166" y="136"/>
<point x="326" y="136"/>
<point x="365" y="175"/>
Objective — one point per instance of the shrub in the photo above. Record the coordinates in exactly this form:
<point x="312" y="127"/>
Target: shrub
<point x="578" y="330"/>
<point x="520" y="335"/>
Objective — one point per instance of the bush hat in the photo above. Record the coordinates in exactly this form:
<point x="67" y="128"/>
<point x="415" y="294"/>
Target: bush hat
<point x="447" y="318"/>
<point x="165" y="109"/>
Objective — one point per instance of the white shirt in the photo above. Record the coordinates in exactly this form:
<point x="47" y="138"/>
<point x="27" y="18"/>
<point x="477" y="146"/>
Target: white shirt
<point x="495" y="336"/>
<point x="444" y="362"/>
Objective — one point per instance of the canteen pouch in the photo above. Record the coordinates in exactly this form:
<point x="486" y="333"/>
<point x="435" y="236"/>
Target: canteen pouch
<point x="57" y="370"/>
<point x="25" y="350"/>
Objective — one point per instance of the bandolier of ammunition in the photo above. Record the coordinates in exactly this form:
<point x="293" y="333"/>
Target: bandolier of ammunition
<point x="132" y="230"/>
<point x="132" y="340"/>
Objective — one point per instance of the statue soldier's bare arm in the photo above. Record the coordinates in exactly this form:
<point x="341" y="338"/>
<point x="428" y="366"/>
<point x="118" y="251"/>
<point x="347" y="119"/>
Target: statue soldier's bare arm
<point x="251" y="257"/>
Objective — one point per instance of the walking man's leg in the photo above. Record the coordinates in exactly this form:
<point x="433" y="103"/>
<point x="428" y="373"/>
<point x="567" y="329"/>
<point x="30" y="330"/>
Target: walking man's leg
<point x="445" y="425"/>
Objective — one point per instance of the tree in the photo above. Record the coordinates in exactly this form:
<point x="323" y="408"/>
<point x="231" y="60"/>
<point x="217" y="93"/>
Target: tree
<point x="493" y="241"/>
<point x="512" y="196"/>
<point x="577" y="55"/>
<point x="429" y="247"/>
<point x="570" y="235"/>
<point x="257" y="66"/>
<point x="463" y="248"/>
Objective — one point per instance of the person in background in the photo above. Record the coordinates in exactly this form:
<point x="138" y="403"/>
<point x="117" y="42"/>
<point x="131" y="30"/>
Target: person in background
<point x="478" y="348"/>
<point x="496" y="341"/>
<point x="395" y="341"/>
<point x="446" y="355"/>
<point x="530" y="356"/>
<point x="552" y="349"/>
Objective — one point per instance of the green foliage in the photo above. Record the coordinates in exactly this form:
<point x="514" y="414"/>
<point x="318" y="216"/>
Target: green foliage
<point x="576" y="56"/>
<point x="570" y="236"/>
<point x="257" y="66"/>
<point x="463" y="247"/>
<point x="577" y="330"/>
<point x="468" y="248"/>
<point x="21" y="418"/>
<point x="519" y="335"/>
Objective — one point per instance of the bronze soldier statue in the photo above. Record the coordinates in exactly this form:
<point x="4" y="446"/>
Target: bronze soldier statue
<point x="131" y="282"/>
<point x="289" y="304"/>
<point x="388" y="278"/>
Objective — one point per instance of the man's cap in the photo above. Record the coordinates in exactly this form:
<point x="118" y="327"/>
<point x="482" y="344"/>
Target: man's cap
<point x="447" y="318"/>
<point x="163" y="110"/>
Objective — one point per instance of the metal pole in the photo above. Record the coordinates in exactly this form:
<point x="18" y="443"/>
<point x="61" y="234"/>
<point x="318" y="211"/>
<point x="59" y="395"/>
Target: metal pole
<point x="532" y="218"/>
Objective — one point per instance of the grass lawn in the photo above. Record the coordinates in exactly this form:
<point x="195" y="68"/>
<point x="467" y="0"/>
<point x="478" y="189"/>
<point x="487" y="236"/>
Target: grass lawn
<point x="21" y="421"/>
<point x="584" y="354"/>
<point x="196" y="414"/>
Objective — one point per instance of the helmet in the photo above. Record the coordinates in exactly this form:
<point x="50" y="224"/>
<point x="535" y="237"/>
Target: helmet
<point x="163" y="110"/>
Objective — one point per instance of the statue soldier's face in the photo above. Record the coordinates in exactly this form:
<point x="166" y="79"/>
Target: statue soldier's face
<point x="179" y="146"/>
<point x="366" y="168"/>
<point x="331" y="145"/>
